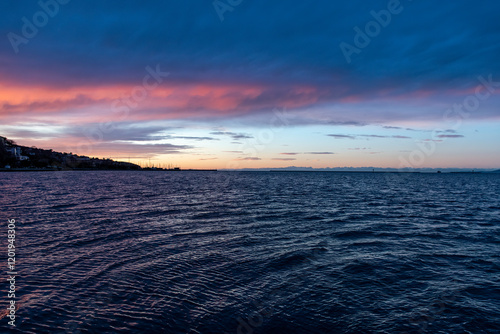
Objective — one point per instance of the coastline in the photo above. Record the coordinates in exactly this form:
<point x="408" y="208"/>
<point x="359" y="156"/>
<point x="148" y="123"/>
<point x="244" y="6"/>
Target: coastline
<point x="90" y="169"/>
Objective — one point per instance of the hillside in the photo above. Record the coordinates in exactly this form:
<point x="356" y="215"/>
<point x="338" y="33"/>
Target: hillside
<point x="17" y="156"/>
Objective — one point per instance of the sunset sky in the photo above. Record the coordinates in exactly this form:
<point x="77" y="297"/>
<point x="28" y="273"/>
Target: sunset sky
<point x="251" y="83"/>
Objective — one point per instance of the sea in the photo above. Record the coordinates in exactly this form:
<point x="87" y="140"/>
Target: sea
<point x="251" y="252"/>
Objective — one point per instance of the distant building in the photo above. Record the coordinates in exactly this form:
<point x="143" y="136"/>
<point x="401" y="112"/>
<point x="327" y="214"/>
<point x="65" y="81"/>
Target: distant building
<point x="15" y="151"/>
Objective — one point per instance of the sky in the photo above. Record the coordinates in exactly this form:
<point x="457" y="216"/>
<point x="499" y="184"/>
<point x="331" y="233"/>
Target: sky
<point x="232" y="84"/>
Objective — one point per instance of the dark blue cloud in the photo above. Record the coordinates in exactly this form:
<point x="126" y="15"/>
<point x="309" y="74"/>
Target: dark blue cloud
<point x="450" y="136"/>
<point x="427" y="44"/>
<point x="280" y="47"/>
<point x="341" y="136"/>
<point x="233" y="135"/>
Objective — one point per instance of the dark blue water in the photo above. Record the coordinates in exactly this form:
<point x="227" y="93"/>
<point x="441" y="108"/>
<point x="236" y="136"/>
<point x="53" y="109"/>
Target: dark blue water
<point x="222" y="252"/>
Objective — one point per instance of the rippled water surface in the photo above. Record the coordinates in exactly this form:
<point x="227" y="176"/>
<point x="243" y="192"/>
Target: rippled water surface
<point x="248" y="252"/>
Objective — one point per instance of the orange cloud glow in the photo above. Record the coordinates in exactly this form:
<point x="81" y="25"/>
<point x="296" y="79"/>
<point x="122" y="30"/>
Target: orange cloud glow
<point x="166" y="101"/>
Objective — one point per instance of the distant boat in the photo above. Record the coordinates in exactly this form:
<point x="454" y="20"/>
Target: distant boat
<point x="439" y="172"/>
